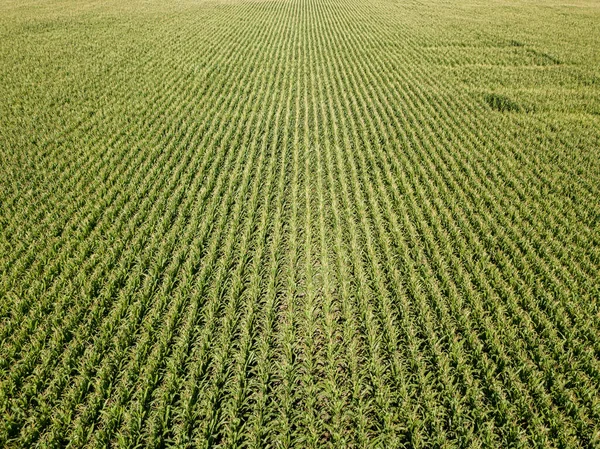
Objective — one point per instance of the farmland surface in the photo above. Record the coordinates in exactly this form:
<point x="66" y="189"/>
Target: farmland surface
<point x="299" y="223"/>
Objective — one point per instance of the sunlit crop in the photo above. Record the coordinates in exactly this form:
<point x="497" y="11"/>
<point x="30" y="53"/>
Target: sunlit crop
<point x="299" y="223"/>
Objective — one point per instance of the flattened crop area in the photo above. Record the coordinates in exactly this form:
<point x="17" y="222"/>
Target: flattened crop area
<point x="299" y="223"/>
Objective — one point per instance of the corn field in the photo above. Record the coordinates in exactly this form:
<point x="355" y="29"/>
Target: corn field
<point x="299" y="224"/>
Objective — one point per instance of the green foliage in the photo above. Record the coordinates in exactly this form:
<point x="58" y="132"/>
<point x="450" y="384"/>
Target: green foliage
<point x="292" y="223"/>
<point x="502" y="103"/>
